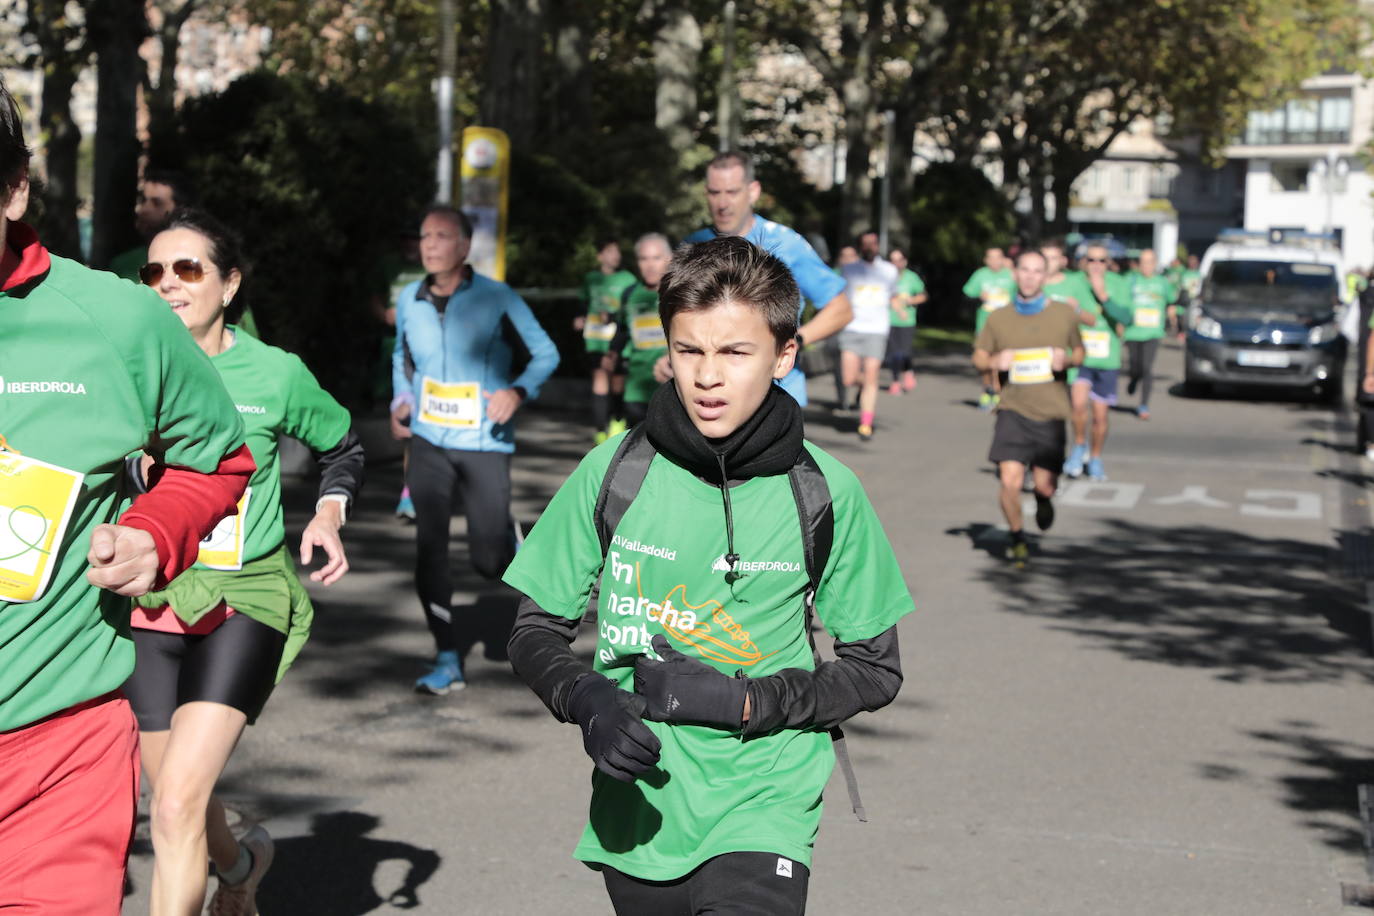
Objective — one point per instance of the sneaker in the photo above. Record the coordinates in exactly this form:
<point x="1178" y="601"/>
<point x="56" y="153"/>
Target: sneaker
<point x="446" y="676"/>
<point x="405" y="508"/>
<point x="894" y="388"/>
<point x="1142" y="412"/>
<point x="865" y="432"/>
<point x="1020" y="553"/>
<point x="616" y="428"/>
<point x="987" y="401"/>
<point x="1073" y="467"/>
<point x="909" y="380"/>
<point x="1044" y="512"/>
<point x="1096" y="471"/>
<point x="1369" y="453"/>
<point x="239" y="899"/>
<point x="1134" y="384"/>
<point x="600" y="436"/>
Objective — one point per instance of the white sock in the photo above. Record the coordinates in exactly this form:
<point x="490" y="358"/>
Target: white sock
<point x="238" y="873"/>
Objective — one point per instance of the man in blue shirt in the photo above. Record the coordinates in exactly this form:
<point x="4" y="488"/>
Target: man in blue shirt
<point x="455" y="399"/>
<point x="731" y="192"/>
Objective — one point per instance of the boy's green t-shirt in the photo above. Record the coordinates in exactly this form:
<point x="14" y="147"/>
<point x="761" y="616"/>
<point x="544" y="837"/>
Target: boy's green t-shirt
<point x="601" y="292"/>
<point x="1150" y="298"/>
<point x="908" y="284"/>
<point x="94" y="369"/>
<point x="645" y="342"/>
<point x="999" y="284"/>
<point x="712" y="792"/>
<point x="275" y="395"/>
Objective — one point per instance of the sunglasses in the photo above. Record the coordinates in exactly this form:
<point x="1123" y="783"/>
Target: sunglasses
<point x="188" y="270"/>
<point x="1096" y="260"/>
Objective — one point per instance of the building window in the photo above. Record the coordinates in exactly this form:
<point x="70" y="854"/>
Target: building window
<point x="1128" y="179"/>
<point x="1335" y="119"/>
<point x="1161" y="182"/>
<point x="1290" y="177"/>
<point x="1310" y="119"/>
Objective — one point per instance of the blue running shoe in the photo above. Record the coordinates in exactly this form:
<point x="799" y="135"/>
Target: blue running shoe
<point x="405" y="508"/>
<point x="446" y="676"/>
<point x="1096" y="471"/>
<point x="1073" y="467"/>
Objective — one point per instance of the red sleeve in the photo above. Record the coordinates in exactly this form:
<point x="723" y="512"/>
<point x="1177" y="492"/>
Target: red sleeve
<point x="184" y="506"/>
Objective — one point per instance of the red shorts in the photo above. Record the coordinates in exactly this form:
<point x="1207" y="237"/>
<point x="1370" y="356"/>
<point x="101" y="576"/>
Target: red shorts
<point x="68" y="793"/>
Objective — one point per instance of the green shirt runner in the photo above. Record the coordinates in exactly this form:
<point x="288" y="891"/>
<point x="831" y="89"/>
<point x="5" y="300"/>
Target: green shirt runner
<point x="645" y="342"/>
<point x="1150" y="298"/>
<point x="999" y="286"/>
<point x="909" y="284"/>
<point x="601" y="293"/>
<point x="661" y="575"/>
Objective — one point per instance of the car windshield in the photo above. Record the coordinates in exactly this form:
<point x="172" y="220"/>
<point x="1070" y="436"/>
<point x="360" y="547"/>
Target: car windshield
<point x="1266" y="284"/>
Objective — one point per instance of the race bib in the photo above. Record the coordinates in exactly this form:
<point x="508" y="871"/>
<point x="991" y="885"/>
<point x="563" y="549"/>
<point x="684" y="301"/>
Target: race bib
<point x="647" y="333"/>
<point x="997" y="297"/>
<point x="870" y="302"/>
<point x="36" y="502"/>
<point x="457" y="405"/>
<point x="223" y="547"/>
<point x="1032" y="367"/>
<point x="598" y="330"/>
<point x="1149" y="318"/>
<point x="1097" y="344"/>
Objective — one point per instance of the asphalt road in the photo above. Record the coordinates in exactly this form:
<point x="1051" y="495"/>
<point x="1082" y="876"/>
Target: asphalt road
<point x="1167" y="713"/>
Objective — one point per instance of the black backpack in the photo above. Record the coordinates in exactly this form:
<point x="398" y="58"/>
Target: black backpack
<point x="815" y="513"/>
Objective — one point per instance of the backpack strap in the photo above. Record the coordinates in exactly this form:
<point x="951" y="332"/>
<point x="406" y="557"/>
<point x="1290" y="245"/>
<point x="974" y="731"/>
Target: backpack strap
<point x="620" y="486"/>
<point x="816" y="512"/>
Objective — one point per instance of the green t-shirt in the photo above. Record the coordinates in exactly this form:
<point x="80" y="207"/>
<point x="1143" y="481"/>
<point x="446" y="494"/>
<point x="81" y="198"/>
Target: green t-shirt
<point x="908" y="284"/>
<point x="714" y="793"/>
<point x="1190" y="282"/>
<point x="94" y="369"/>
<point x="601" y="292"/>
<point x="645" y="342"/>
<point x="1000" y="286"/>
<point x="1101" y="344"/>
<point x="276" y="395"/>
<point x="127" y="263"/>
<point x="1150" y="298"/>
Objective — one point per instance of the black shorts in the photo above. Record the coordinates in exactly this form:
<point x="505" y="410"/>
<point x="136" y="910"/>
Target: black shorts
<point x="1037" y="443"/>
<point x="735" y="882"/>
<point x="234" y="665"/>
<point x="594" y="358"/>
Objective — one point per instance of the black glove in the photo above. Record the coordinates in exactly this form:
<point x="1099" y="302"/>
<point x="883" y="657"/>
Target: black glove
<point x="682" y="689"/>
<point x="613" y="733"/>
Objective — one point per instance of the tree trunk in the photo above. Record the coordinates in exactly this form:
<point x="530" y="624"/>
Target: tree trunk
<point x="899" y="165"/>
<point x="1062" y="187"/>
<point x="677" y="57"/>
<point x="162" y="97"/>
<point x="117" y="27"/>
<point x="573" y="87"/>
<point x="59" y="231"/>
<point x="510" y="99"/>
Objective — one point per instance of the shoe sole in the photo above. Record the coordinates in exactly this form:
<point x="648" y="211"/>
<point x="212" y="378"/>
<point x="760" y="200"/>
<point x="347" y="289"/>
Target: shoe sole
<point x="440" y="691"/>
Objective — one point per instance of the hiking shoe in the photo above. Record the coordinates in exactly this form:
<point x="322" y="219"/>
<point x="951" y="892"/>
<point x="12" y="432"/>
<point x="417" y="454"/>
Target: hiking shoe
<point x="405" y="507"/>
<point x="1073" y="467"/>
<point x="909" y="380"/>
<point x="987" y="401"/>
<point x="865" y="432"/>
<point x="1142" y="412"/>
<point x="446" y="676"/>
<point x="1020" y="553"/>
<point x="1044" y="512"/>
<point x="616" y="428"/>
<point x="1096" y="471"/>
<point x="894" y="388"/>
<point x="239" y="899"/>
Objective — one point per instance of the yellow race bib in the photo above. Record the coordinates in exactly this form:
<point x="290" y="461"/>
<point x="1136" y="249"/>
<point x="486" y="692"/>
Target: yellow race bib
<point x="598" y="330"/>
<point x="36" y="502"/>
<point x="1032" y="367"/>
<point x="457" y="405"/>
<point x="223" y="547"/>
<point x="647" y="333"/>
<point x="997" y="298"/>
<point x="1149" y="318"/>
<point x="1097" y="344"/>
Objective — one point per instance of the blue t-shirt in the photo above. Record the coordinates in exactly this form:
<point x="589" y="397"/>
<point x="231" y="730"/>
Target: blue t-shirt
<point x="817" y="281"/>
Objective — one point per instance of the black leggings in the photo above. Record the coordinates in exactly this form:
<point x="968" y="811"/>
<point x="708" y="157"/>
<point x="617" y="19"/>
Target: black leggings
<point x="235" y="664"/>
<point x="483" y="481"/>
<point x="1142" y="354"/>
<point x="899" y="341"/>
<point x="742" y="883"/>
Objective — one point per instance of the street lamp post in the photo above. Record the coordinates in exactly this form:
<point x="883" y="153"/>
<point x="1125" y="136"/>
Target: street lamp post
<point x="1331" y="168"/>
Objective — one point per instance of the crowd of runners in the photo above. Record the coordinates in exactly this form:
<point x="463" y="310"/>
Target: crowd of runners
<point x="150" y="601"/>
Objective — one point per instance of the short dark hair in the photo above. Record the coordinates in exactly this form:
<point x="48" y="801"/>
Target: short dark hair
<point x="183" y="189"/>
<point x="451" y="212"/>
<point x="222" y="243"/>
<point x="730" y="269"/>
<point x="1052" y="242"/>
<point x="604" y="241"/>
<point x="731" y="158"/>
<point x="859" y="239"/>
<point x="14" y="152"/>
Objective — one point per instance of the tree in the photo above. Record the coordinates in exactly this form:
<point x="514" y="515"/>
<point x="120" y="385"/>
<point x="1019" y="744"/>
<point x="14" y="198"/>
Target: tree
<point x="116" y="28"/>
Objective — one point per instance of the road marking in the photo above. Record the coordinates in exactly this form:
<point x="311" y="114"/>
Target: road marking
<point x="1218" y="465"/>
<point x="1192" y="495"/>
<point x="1094" y="495"/>
<point x="1303" y="505"/>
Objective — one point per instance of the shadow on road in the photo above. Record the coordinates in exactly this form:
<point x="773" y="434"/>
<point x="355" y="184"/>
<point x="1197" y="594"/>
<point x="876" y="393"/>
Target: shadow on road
<point x="335" y="870"/>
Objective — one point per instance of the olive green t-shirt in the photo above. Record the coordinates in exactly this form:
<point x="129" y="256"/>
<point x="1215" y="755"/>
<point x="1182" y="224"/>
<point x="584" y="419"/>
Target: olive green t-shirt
<point x="1032" y="388"/>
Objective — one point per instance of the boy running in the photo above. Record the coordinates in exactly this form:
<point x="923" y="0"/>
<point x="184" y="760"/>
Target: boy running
<point x="639" y="335"/>
<point x="601" y="292"/>
<point x="707" y="792"/>
<point x="992" y="285"/>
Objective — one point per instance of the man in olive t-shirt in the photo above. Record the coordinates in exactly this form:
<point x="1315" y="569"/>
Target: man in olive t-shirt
<point x="1031" y="346"/>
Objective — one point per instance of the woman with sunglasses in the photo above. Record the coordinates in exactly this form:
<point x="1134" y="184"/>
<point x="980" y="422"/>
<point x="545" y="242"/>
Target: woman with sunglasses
<point x="211" y="646"/>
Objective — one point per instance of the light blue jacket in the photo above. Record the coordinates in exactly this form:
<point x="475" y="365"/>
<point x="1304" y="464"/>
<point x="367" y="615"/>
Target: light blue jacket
<point x="466" y="349"/>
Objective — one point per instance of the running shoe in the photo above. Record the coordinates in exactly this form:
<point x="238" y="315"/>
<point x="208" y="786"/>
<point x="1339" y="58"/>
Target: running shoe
<point x="616" y="428"/>
<point x="1044" y="512"/>
<point x="1369" y="453"/>
<point x="1073" y="467"/>
<point x="865" y="432"/>
<point x="239" y="899"/>
<point x="405" y="507"/>
<point x="1020" y="553"/>
<point x="446" y="676"/>
<point x="987" y="401"/>
<point x="909" y="380"/>
<point x="1134" y="384"/>
<point x="1096" y="471"/>
<point x="600" y="436"/>
<point x="1142" y="412"/>
<point x="894" y="388"/>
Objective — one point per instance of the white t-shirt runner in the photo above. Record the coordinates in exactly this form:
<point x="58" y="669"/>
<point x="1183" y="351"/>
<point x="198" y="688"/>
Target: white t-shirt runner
<point x="870" y="286"/>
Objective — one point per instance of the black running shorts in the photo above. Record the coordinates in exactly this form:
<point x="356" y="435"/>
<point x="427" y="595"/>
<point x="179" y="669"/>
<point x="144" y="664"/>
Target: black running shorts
<point x="234" y="664"/>
<point x="1037" y="443"/>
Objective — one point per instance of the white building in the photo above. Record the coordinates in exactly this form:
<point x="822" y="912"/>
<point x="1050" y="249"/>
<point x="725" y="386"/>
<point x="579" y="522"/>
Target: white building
<point x="1303" y="164"/>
